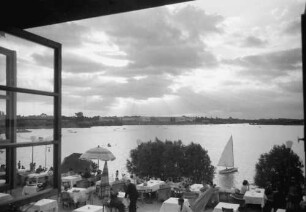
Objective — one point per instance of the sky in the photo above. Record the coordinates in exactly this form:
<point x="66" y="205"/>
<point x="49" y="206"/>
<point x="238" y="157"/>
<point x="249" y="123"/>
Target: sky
<point x="203" y="58"/>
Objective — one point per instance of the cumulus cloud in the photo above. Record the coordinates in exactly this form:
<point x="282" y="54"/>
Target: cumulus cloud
<point x="70" y="34"/>
<point x="72" y="63"/>
<point x="269" y="65"/>
<point x="293" y="27"/>
<point x="252" y="41"/>
<point x="165" y="40"/>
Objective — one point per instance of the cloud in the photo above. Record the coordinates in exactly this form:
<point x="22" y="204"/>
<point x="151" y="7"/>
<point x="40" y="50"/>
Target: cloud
<point x="252" y="41"/>
<point x="293" y="27"/>
<point x="269" y="65"/>
<point x="164" y="40"/>
<point x="246" y="103"/>
<point x="69" y="34"/>
<point x="197" y="22"/>
<point x="72" y="63"/>
<point x="295" y="86"/>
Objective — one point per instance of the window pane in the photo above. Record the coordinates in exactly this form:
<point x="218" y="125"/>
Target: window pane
<point x="34" y="170"/>
<point x="35" y="118"/>
<point x="2" y="118"/>
<point x="2" y="166"/>
<point x="2" y="69"/>
<point x="34" y="63"/>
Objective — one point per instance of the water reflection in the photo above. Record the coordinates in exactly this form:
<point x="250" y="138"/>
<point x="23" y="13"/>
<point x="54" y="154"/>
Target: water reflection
<point x="227" y="180"/>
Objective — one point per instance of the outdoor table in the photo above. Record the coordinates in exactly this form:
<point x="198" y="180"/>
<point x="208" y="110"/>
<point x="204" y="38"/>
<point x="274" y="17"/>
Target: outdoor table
<point x="196" y="188"/>
<point x="5" y="197"/>
<point x="121" y="195"/>
<point x="151" y="184"/>
<point x="98" y="183"/>
<point x="89" y="208"/>
<point x="77" y="194"/>
<point x="221" y="205"/>
<point x="45" y="205"/>
<point x="73" y="179"/>
<point x="29" y="189"/>
<point x="171" y="205"/>
<point x="255" y="196"/>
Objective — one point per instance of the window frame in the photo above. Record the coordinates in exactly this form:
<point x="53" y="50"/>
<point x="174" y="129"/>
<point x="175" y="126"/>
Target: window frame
<point x="10" y="143"/>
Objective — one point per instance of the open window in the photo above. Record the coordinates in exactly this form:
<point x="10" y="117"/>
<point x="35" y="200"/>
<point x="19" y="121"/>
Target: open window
<point x="30" y="82"/>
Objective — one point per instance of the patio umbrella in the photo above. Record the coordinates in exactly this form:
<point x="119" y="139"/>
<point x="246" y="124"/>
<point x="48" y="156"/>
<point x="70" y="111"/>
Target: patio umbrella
<point x="100" y="153"/>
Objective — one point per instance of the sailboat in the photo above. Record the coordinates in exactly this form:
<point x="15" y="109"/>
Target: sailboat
<point x="227" y="158"/>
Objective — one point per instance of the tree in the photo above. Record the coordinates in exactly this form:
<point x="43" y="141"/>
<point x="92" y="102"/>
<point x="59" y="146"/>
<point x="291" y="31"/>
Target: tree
<point x="197" y="164"/>
<point x="171" y="160"/>
<point x="278" y="167"/>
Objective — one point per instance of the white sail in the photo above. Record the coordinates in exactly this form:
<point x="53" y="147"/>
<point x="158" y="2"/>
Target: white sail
<point x="227" y="156"/>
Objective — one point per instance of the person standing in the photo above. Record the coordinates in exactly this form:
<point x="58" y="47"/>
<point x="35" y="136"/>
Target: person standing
<point x="132" y="194"/>
<point x="182" y="207"/>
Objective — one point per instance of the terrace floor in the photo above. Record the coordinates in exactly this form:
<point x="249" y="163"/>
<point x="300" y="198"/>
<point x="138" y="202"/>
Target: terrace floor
<point x="143" y="207"/>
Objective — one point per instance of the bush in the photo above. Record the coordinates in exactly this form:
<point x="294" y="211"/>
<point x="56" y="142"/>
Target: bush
<point x="171" y="160"/>
<point x="278" y="167"/>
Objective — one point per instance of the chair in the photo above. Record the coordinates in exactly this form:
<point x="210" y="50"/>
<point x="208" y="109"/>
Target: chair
<point x="66" y="200"/>
<point x="177" y="192"/>
<point x="164" y="193"/>
<point x="227" y="209"/>
<point x="142" y="193"/>
<point x="83" y="183"/>
<point x="238" y="199"/>
<point x="191" y="196"/>
<point x="90" y="197"/>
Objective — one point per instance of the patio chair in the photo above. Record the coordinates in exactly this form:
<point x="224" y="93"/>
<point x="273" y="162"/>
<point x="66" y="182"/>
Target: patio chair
<point x="227" y="209"/>
<point x="238" y="199"/>
<point x="191" y="196"/>
<point x="83" y="183"/>
<point x="142" y="193"/>
<point x="163" y="193"/>
<point x="66" y="200"/>
<point x="90" y="197"/>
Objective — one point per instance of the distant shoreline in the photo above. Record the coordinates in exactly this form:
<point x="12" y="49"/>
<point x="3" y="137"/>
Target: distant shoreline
<point x="46" y="122"/>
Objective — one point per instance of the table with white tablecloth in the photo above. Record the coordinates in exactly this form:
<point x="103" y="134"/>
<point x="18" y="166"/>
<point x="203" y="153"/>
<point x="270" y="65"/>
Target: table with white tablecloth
<point x="196" y="188"/>
<point x="29" y="189"/>
<point x="171" y="205"/>
<point x="89" y="208"/>
<point x="153" y="185"/>
<point x="78" y="194"/>
<point x="5" y="197"/>
<point x="281" y="210"/>
<point x="73" y="179"/>
<point x="255" y="196"/>
<point x="45" y="205"/>
<point x="221" y="205"/>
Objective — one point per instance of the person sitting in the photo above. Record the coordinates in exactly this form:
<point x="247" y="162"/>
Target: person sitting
<point x="39" y="169"/>
<point x="44" y="185"/>
<point x="115" y="201"/>
<point x="245" y="187"/>
<point x="98" y="176"/>
<point x="86" y="173"/>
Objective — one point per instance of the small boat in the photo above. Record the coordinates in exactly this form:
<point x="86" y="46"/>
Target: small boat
<point x="109" y="145"/>
<point x="227" y="158"/>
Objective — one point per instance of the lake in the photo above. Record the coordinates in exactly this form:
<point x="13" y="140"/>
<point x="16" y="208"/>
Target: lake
<point x="249" y="142"/>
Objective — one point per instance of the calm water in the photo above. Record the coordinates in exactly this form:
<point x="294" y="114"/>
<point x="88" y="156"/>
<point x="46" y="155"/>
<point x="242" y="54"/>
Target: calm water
<point x="249" y="142"/>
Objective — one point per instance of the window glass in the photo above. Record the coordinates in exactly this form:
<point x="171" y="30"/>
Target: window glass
<point x="34" y="63"/>
<point x="34" y="118"/>
<point x="34" y="167"/>
<point x="2" y="119"/>
<point x="2" y="69"/>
